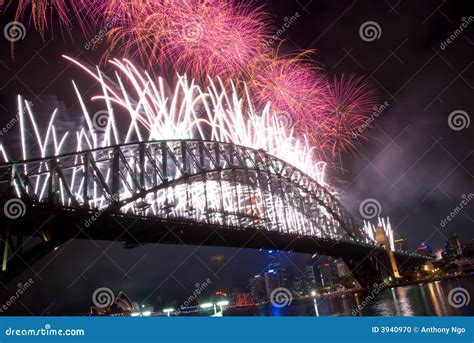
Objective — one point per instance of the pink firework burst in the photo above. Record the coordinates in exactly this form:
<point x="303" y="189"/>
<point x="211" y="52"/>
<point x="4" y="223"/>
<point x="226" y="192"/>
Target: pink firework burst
<point x="217" y="38"/>
<point x="140" y="30"/>
<point x="211" y="37"/>
<point x="349" y="104"/>
<point x="291" y="84"/>
<point x="43" y="10"/>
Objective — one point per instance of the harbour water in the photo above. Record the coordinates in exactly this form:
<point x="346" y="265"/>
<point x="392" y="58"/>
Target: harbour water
<point x="426" y="299"/>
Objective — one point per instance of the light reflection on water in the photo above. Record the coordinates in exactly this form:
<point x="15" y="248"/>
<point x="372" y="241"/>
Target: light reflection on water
<point x="428" y="299"/>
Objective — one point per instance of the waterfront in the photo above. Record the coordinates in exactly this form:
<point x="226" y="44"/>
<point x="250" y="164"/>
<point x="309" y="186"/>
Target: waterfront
<point x="427" y="299"/>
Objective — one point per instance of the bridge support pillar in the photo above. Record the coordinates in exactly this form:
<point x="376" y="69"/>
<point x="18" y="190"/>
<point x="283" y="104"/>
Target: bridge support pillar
<point x="17" y="256"/>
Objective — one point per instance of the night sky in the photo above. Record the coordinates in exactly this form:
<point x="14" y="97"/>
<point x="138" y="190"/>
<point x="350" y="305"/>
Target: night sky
<point x="412" y="163"/>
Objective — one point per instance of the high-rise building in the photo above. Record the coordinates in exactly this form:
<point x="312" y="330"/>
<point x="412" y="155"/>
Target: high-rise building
<point x="258" y="291"/>
<point x="310" y="277"/>
<point x="453" y="247"/>
<point x="317" y="274"/>
<point x="328" y="271"/>
<point x="286" y="276"/>
<point x="342" y="269"/>
<point x="298" y="288"/>
<point x="272" y="281"/>
<point x="277" y="274"/>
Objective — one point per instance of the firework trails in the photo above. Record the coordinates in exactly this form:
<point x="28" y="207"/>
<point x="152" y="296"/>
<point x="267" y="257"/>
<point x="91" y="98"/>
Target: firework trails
<point x="226" y="40"/>
<point x="154" y="113"/>
<point x="370" y="228"/>
<point x="231" y="85"/>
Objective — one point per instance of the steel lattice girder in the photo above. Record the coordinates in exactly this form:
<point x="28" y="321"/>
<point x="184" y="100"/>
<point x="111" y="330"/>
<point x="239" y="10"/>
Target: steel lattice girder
<point x="209" y="182"/>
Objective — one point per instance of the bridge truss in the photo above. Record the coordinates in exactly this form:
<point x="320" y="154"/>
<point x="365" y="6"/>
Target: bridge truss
<point x="193" y="180"/>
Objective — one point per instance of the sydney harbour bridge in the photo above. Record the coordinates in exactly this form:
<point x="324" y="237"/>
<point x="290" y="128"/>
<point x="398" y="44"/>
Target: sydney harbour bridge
<point x="180" y="192"/>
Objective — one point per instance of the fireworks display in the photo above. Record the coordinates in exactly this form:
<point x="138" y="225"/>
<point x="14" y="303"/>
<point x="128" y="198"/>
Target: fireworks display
<point x="234" y="87"/>
<point x="369" y="229"/>
<point x="348" y="101"/>
<point x="43" y="10"/>
<point x="201" y="38"/>
<point x="140" y="108"/>
<point x="290" y="84"/>
<point x="147" y="111"/>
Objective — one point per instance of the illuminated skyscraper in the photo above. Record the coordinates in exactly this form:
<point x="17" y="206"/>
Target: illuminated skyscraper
<point x="453" y="247"/>
<point x="258" y="292"/>
<point x="272" y="281"/>
<point x="328" y="270"/>
<point x="317" y="274"/>
<point x="342" y="269"/>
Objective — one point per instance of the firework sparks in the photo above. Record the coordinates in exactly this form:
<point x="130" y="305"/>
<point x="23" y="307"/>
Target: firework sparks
<point x="225" y="39"/>
<point x="42" y="10"/>
<point x="147" y="111"/>
<point x="290" y="84"/>
<point x="370" y="228"/>
<point x="347" y="103"/>
<point x="215" y="38"/>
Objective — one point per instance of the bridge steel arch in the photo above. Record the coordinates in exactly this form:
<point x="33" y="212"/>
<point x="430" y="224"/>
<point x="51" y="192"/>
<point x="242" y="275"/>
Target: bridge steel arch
<point x="192" y="182"/>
